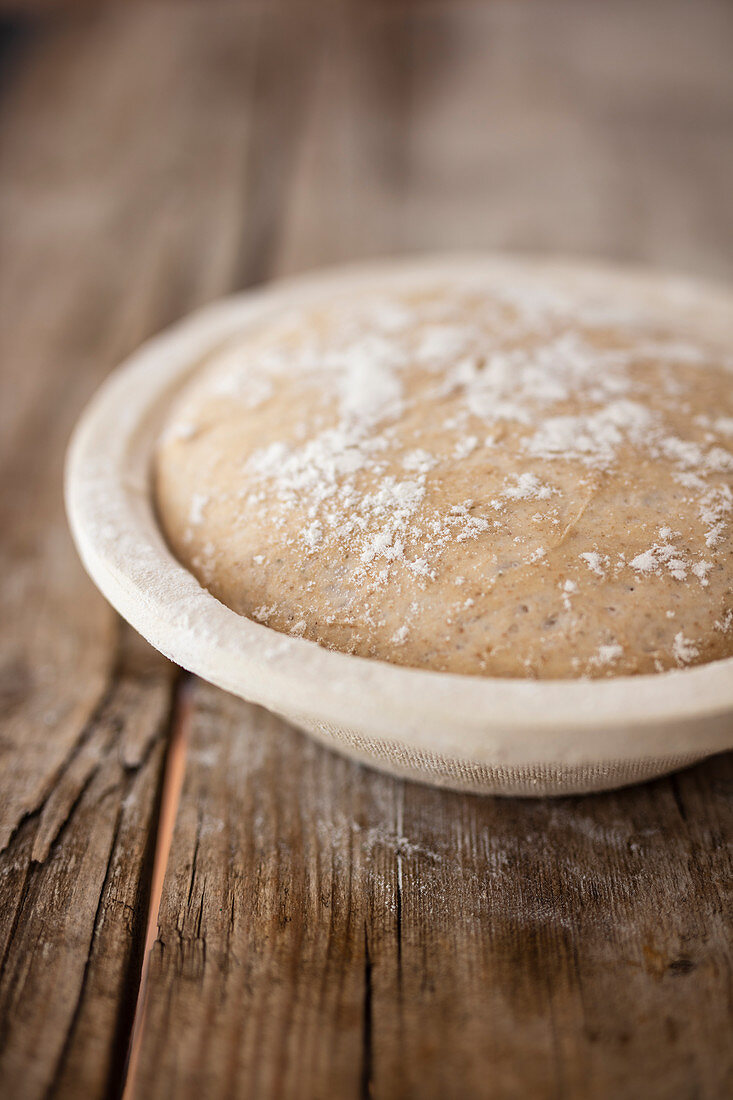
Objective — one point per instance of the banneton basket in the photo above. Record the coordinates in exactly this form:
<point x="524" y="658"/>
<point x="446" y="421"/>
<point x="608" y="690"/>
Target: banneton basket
<point x="494" y="736"/>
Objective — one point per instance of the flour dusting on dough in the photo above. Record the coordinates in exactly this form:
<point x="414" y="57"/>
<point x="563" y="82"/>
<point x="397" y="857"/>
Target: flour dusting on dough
<point x="492" y="477"/>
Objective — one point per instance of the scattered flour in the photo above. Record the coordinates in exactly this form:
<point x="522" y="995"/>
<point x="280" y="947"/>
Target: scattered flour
<point x="515" y="367"/>
<point x="596" y="562"/>
<point x="684" y="650"/>
<point x="607" y="654"/>
<point x="196" y="511"/>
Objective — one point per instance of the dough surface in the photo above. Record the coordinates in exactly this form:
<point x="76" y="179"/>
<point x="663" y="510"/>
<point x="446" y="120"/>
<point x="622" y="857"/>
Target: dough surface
<point x="465" y="475"/>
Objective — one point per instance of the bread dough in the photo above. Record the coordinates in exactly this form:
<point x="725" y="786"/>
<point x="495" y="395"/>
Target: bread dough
<point x="477" y="476"/>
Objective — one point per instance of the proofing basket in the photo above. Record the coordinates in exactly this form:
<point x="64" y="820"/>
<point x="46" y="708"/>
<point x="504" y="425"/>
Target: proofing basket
<point x="510" y="737"/>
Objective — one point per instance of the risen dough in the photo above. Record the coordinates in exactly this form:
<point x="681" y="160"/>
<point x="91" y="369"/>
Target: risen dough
<point x="482" y="478"/>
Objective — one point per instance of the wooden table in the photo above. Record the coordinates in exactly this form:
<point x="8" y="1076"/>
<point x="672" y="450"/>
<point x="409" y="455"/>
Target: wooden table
<point x="314" y="928"/>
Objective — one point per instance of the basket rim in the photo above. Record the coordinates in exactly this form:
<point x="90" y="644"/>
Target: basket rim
<point x="112" y="519"/>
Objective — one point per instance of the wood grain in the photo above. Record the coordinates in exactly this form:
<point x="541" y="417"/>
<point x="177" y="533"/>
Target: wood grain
<point x="327" y="931"/>
<point x="75" y="882"/>
<point x="324" y="930"/>
<point x="112" y="231"/>
<point x="552" y="127"/>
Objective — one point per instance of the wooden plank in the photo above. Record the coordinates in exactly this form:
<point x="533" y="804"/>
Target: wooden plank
<point x="324" y="930"/>
<point x="73" y="918"/>
<point x="335" y="932"/>
<point x="121" y="209"/>
<point x="557" y="126"/>
<point x="327" y="931"/>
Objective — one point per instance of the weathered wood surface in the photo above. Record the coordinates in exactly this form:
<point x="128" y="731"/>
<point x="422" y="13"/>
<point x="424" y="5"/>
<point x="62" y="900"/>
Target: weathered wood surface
<point x="323" y="930"/>
<point x="327" y="931"/>
<point x="110" y="229"/>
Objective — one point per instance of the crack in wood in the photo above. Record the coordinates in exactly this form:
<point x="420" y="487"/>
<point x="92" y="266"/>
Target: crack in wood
<point x="162" y="834"/>
<point x="119" y="1040"/>
<point x="367" y="1068"/>
<point x="398" y="881"/>
<point x="22" y="898"/>
<point x="36" y="899"/>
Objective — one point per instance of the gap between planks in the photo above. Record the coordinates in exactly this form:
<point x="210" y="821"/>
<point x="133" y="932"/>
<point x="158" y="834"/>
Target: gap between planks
<point x="170" y="797"/>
